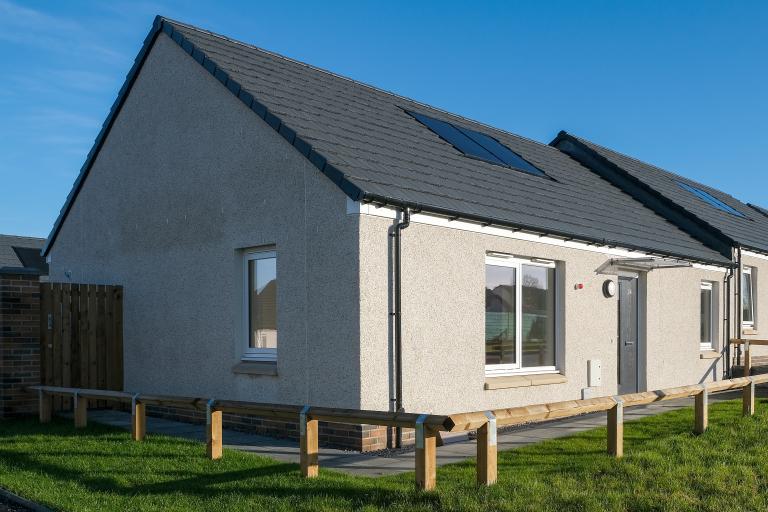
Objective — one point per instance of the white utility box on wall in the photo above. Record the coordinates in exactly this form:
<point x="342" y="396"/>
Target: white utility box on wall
<point x="594" y="373"/>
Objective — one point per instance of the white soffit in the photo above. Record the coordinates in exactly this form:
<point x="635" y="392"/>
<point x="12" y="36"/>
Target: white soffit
<point x="358" y="208"/>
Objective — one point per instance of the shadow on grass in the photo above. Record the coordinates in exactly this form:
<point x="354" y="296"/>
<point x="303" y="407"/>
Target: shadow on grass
<point x="120" y="471"/>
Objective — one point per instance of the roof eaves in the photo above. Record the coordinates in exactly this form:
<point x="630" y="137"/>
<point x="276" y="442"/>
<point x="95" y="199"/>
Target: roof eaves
<point x="486" y="221"/>
<point x="644" y="193"/>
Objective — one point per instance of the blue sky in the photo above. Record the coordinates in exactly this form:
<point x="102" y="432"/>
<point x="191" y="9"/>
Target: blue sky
<point x="679" y="84"/>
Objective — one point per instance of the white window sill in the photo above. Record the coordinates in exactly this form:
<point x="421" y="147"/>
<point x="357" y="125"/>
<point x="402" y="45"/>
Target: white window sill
<point x="255" y="368"/>
<point x="709" y="354"/>
<point x="522" y="381"/>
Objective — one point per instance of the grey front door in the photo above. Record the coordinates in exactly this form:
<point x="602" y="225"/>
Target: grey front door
<point x="628" y="335"/>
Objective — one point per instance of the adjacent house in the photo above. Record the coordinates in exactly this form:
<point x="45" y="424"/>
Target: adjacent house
<point x="22" y="253"/>
<point x="736" y="229"/>
<point x="285" y="234"/>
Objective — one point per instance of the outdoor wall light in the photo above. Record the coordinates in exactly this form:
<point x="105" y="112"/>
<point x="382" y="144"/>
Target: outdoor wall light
<point x="609" y="288"/>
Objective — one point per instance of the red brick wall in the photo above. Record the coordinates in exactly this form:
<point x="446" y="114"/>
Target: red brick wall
<point x="364" y="438"/>
<point x="19" y="343"/>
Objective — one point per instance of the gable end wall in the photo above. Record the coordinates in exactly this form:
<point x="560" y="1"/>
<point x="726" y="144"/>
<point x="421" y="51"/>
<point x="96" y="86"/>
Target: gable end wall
<point x="187" y="177"/>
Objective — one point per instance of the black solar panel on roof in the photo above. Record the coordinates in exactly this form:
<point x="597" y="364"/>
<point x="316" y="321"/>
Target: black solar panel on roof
<point x="709" y="198"/>
<point x="478" y="145"/>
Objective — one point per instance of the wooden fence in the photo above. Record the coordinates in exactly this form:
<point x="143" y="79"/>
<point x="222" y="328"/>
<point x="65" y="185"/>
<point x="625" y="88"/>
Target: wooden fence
<point x="81" y="336"/>
<point x="427" y="426"/>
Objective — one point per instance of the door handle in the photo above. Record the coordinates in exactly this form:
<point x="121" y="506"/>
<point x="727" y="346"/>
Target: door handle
<point x="628" y="343"/>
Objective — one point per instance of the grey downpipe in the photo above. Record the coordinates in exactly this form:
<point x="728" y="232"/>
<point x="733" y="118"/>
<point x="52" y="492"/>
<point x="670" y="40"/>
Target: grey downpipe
<point x="739" y="307"/>
<point x="727" y="327"/>
<point x="403" y="224"/>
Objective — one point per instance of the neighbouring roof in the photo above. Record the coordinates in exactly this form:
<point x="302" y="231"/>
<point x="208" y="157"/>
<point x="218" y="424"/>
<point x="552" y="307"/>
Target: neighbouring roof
<point x="722" y="214"/>
<point x="367" y="142"/>
<point x="22" y="252"/>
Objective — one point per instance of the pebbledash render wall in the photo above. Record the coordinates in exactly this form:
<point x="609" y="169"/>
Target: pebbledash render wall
<point x="444" y="323"/>
<point x="187" y="179"/>
<point x="760" y="329"/>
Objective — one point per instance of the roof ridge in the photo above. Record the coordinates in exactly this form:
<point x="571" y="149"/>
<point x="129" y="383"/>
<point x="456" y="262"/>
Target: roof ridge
<point x="352" y="80"/>
<point x="667" y="171"/>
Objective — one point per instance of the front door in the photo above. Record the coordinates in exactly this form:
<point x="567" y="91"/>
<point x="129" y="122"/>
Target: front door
<point x="628" y="335"/>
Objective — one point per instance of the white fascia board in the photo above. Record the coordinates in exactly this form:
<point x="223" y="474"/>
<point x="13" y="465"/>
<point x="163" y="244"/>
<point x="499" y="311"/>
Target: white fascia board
<point x="358" y="208"/>
<point x="751" y="254"/>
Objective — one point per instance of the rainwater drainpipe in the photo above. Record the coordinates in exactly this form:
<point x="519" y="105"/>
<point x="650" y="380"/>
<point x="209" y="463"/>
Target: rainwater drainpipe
<point x="727" y="321"/>
<point x="739" y="306"/>
<point x="399" y="227"/>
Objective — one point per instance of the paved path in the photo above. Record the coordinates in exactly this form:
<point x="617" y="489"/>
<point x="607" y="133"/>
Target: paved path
<point x="457" y="448"/>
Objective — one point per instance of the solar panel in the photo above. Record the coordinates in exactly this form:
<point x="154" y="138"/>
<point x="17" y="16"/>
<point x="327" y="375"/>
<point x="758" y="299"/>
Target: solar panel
<point x="710" y="199"/>
<point x="478" y="145"/>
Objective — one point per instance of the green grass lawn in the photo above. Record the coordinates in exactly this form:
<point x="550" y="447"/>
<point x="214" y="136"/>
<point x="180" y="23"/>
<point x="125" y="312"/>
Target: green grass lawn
<point x="665" y="468"/>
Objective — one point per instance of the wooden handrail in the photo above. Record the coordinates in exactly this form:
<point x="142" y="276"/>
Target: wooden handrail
<point x="426" y="425"/>
<point x="742" y="341"/>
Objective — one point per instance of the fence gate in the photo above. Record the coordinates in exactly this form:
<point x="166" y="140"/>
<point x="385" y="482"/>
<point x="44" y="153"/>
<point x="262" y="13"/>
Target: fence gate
<point x="81" y="335"/>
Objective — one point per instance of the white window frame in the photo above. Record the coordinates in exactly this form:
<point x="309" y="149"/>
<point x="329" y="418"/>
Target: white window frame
<point x="497" y="370"/>
<point x="708" y="285"/>
<point x="747" y="271"/>
<point x="249" y="353"/>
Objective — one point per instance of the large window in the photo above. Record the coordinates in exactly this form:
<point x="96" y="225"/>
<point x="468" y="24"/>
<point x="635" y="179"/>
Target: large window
<point x="748" y="297"/>
<point x="519" y="316"/>
<point x="260" y="315"/>
<point x="707" y="316"/>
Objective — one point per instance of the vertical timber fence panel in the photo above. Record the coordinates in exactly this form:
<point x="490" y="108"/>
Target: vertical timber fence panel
<point x="81" y="338"/>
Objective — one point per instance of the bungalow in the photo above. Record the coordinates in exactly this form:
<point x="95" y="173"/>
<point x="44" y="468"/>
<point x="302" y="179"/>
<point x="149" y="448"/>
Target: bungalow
<point x="738" y="230"/>
<point x="285" y="234"/>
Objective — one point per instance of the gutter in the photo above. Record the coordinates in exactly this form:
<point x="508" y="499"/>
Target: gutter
<point x="366" y="197"/>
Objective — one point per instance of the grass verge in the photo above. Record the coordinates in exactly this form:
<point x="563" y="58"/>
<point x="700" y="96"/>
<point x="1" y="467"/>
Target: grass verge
<point x="666" y="467"/>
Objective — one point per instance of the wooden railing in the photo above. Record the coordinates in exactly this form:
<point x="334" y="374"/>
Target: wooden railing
<point x="748" y="344"/>
<point x="427" y="426"/>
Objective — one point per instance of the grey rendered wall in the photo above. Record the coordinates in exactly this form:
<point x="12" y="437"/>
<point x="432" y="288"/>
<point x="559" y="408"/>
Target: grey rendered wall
<point x="761" y="303"/>
<point x="187" y="178"/>
<point x="443" y="321"/>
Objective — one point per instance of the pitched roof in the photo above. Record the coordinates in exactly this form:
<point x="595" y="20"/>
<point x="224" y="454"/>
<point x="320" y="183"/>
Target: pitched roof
<point x="720" y="213"/>
<point x="18" y="252"/>
<point x="365" y="141"/>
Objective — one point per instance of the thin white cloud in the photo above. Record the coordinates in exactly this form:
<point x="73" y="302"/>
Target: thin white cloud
<point x="28" y="27"/>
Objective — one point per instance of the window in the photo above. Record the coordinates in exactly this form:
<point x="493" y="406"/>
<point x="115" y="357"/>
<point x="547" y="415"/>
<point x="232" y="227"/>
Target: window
<point x="707" y="316"/>
<point x="260" y="301"/>
<point x="747" y="297"/>
<point x="519" y="316"/>
<point x="477" y="145"/>
<point x="710" y="199"/>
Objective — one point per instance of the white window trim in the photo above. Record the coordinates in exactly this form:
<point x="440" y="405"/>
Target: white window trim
<point x="708" y="347"/>
<point x="253" y="354"/>
<point x="747" y="271"/>
<point x="498" y="370"/>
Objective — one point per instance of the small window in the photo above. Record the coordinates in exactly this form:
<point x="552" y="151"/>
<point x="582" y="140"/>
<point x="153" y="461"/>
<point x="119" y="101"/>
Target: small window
<point x="710" y="199"/>
<point x="747" y="297"/>
<point x="707" y="316"/>
<point x="519" y="316"/>
<point x="477" y="145"/>
<point x="260" y="315"/>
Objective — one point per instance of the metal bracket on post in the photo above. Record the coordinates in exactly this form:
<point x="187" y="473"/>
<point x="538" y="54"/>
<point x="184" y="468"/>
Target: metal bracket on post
<point x="303" y="420"/>
<point x="420" y="430"/>
<point x="134" y="400"/>
<point x="209" y="411"/>
<point x="491" y="428"/>
<point x="619" y="402"/>
<point x="76" y="393"/>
